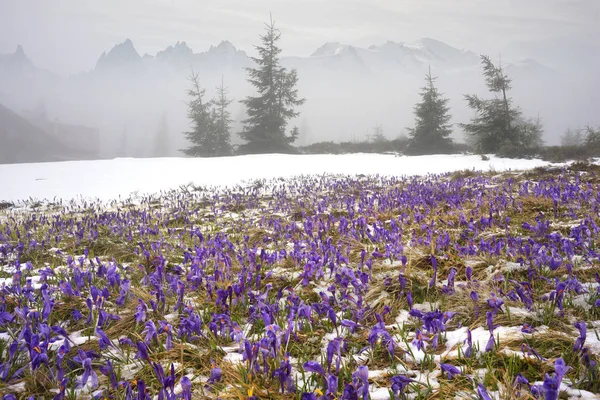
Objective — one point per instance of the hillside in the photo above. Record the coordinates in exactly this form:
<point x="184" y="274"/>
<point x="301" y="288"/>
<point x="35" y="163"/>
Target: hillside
<point x="22" y="142"/>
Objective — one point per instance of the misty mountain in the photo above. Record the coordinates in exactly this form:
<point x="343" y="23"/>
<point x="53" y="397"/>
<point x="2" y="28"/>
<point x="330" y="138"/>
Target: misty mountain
<point x="348" y="89"/>
<point x="16" y="62"/>
<point x="399" y="56"/>
<point x="179" y="56"/>
<point x="405" y="57"/>
<point x="21" y="82"/>
<point x="122" y="54"/>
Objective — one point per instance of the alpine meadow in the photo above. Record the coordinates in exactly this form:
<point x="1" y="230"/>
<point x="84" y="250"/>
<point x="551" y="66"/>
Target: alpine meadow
<point x="355" y="201"/>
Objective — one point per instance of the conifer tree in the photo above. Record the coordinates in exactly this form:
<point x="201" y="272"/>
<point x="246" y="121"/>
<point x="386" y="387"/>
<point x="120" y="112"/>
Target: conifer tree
<point x="276" y="102"/>
<point x="222" y="121"/>
<point x="572" y="137"/>
<point x="202" y="135"/>
<point x="431" y="133"/>
<point x="498" y="126"/>
<point x="161" y="142"/>
<point x="592" y="138"/>
<point x="377" y="136"/>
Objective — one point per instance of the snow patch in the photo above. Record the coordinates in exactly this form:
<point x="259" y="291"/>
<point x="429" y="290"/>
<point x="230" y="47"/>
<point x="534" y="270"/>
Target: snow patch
<point x="122" y="177"/>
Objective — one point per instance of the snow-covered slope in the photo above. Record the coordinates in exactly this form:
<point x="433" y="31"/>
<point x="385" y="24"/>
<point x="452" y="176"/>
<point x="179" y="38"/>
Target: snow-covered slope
<point x="109" y="179"/>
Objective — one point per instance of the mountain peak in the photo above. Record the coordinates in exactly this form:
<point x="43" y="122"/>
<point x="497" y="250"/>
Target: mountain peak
<point x="180" y="51"/>
<point x="20" y="52"/>
<point x="330" y="49"/>
<point x="388" y="46"/>
<point x="226" y="44"/>
<point x="20" y="57"/>
<point x="17" y="60"/>
<point x="225" y="47"/>
<point x="436" y="49"/>
<point x="121" y="54"/>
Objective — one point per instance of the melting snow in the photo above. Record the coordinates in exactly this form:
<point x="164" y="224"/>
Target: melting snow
<point x="122" y="177"/>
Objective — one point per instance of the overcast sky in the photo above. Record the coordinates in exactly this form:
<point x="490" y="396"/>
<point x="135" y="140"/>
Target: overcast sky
<point x="69" y="35"/>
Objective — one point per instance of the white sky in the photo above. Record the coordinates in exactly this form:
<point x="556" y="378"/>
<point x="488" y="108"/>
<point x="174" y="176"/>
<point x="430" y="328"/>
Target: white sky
<point x="69" y="35"/>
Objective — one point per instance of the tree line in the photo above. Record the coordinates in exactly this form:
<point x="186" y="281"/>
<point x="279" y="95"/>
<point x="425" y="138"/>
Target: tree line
<point x="268" y="112"/>
<point x="498" y="125"/>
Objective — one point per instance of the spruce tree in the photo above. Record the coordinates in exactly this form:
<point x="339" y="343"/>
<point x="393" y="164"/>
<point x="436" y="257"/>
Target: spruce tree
<point x="275" y="104"/>
<point x="222" y="121"/>
<point x="572" y="138"/>
<point x="161" y="142"/>
<point x="432" y="130"/>
<point x="202" y="135"/>
<point x="498" y="126"/>
<point x="592" y="138"/>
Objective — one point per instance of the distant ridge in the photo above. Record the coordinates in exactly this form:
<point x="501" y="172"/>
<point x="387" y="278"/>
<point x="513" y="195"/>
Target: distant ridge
<point x="21" y="141"/>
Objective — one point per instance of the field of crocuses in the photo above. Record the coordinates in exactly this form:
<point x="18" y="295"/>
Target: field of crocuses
<point x="461" y="285"/>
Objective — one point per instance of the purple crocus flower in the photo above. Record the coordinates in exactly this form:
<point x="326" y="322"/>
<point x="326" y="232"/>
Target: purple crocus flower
<point x="142" y="391"/>
<point x="360" y="380"/>
<point x="88" y="371"/>
<point x="5" y="318"/>
<point x="419" y="340"/>
<point x="474" y="296"/>
<point x="37" y="351"/>
<point x="215" y="374"/>
<point x="450" y="370"/>
<point x="495" y="302"/>
<point x="520" y="381"/>
<point x="469" y="342"/>
<point x="103" y="340"/>
<point x="587" y="359"/>
<point x="526" y="349"/>
<point x="108" y="370"/>
<point x="551" y="384"/>
<point x="409" y="299"/>
<point x="434" y="277"/>
<point x="399" y="383"/>
<point x="151" y="332"/>
<point x="283" y="373"/>
<point x="186" y="388"/>
<point x="581" y="326"/>
<point x="449" y="288"/>
<point x="559" y="295"/>
<point x="126" y="341"/>
<point x="469" y="273"/>
<point x="349" y="393"/>
<point x="334" y="348"/>
<point x="402" y="281"/>
<point x="379" y="331"/>
<point x="62" y="387"/>
<point x="526" y="328"/>
<point x="490" y="323"/>
<point x="313" y="366"/>
<point x="351" y="325"/>
<point x="123" y="292"/>
<point x="525" y="298"/>
<point x="142" y="351"/>
<point x="482" y="392"/>
<point x="168" y="329"/>
<point x="332" y="385"/>
<point x="90" y="305"/>
<point x="140" y="314"/>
